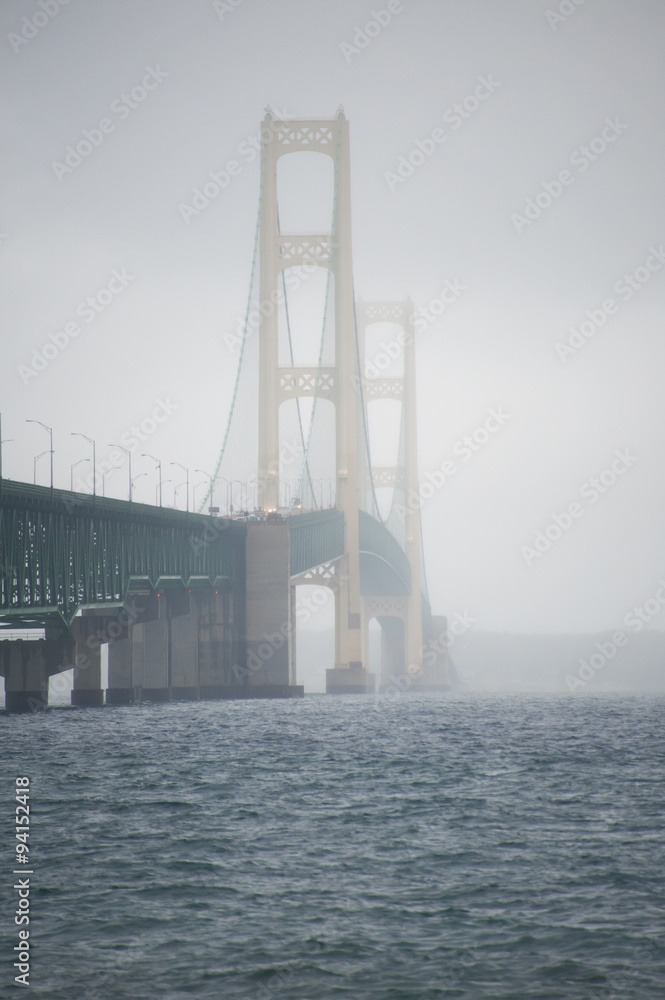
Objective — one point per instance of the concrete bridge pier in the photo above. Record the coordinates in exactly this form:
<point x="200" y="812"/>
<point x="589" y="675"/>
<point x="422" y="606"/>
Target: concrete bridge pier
<point x="349" y="676"/>
<point x="140" y="606"/>
<point x="267" y="665"/>
<point x="436" y="673"/>
<point x="218" y="662"/>
<point x="91" y="630"/>
<point x="121" y="687"/>
<point x="150" y="656"/>
<point x="151" y="642"/>
<point x="24" y="665"/>
<point x="393" y="663"/>
<point x="27" y="664"/>
<point x="184" y="652"/>
<point x="87" y="690"/>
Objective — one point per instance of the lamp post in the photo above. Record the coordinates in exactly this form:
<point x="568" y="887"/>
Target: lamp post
<point x="211" y="481"/>
<point x="104" y="474"/>
<point x="240" y="484"/>
<point x="175" y="492"/>
<point x="186" y="471"/>
<point x="129" y="458"/>
<point x="50" y="430"/>
<point x="71" y="472"/>
<point x="159" y="466"/>
<point x="138" y="477"/>
<point x="226" y="483"/>
<point x="195" y="488"/>
<point x="2" y="441"/>
<point x="160" y="490"/>
<point x="94" y="461"/>
<point x="34" y="465"/>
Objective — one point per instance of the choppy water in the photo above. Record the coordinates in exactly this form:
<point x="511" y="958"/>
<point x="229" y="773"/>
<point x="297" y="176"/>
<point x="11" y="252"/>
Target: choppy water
<point x="469" y="847"/>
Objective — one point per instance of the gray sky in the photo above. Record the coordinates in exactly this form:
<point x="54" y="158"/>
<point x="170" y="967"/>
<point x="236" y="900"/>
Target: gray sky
<point x="579" y="93"/>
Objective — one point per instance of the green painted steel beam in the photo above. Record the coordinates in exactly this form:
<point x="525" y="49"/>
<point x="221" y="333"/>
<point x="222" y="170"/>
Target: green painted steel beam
<point x="61" y="551"/>
<point x="318" y="537"/>
<point x="315" y="538"/>
<point x="379" y="546"/>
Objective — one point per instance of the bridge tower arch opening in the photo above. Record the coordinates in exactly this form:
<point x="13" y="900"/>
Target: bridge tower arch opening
<point x="305" y="190"/>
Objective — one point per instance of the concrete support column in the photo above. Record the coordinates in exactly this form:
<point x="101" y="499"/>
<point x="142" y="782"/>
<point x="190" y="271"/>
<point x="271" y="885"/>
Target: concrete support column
<point x="89" y="632"/>
<point x="87" y="690"/>
<point x="349" y="675"/>
<point x="268" y="614"/>
<point x="121" y="686"/>
<point x="225" y="633"/>
<point x="154" y="656"/>
<point x="185" y="657"/>
<point x="364" y="633"/>
<point x="393" y="664"/>
<point x="137" y="641"/>
<point x="436" y="662"/>
<point x="219" y="669"/>
<point x="293" y="664"/>
<point x="210" y="675"/>
<point x="24" y="665"/>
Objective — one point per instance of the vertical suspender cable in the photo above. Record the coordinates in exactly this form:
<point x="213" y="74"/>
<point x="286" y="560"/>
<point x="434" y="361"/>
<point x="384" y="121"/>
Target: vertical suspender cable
<point x="245" y="331"/>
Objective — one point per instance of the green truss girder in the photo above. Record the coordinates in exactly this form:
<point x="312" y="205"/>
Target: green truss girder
<point x="60" y="551"/>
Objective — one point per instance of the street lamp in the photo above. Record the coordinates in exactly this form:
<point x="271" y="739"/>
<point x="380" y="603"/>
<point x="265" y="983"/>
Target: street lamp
<point x="34" y="465"/>
<point x="1" y="444"/>
<point x="2" y="441"/>
<point x="129" y="458"/>
<point x="195" y="488"/>
<point x="186" y="471"/>
<point x="138" y="477"/>
<point x="159" y="466"/>
<point x="175" y="492"/>
<point x="71" y="472"/>
<point x="104" y="473"/>
<point x="94" y="462"/>
<point x="210" y="479"/>
<point x="160" y="490"/>
<point x="50" y="430"/>
<point x="225" y="482"/>
<point x="241" y="485"/>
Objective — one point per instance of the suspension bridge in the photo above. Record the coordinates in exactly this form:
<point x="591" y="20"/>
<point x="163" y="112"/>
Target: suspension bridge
<point x="196" y="605"/>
